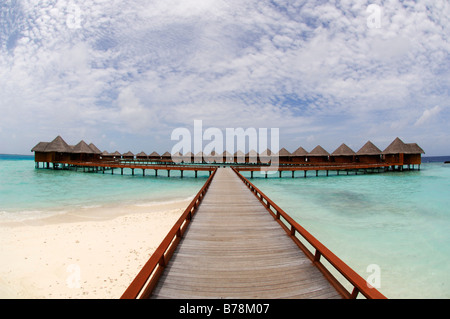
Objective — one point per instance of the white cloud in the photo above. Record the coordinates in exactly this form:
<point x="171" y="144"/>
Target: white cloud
<point x="428" y="115"/>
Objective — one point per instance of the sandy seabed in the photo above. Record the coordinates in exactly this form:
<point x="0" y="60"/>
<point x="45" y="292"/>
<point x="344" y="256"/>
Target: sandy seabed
<point x="94" y="253"/>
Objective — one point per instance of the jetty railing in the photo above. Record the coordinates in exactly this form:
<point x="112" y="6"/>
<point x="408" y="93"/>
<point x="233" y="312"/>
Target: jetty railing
<point x="145" y="281"/>
<point x="292" y="228"/>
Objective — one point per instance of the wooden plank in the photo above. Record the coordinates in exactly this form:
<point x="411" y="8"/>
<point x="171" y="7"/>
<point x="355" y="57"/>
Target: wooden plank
<point x="235" y="249"/>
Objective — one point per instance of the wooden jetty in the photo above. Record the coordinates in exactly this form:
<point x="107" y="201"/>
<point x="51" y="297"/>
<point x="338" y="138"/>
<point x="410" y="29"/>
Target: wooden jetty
<point x="234" y="242"/>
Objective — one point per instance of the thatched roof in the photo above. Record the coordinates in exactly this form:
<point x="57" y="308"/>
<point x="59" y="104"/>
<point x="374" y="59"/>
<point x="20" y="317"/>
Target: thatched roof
<point x="239" y="154"/>
<point x="58" y="145"/>
<point x="300" y="152"/>
<point x="166" y="154"/>
<point x="116" y="153"/>
<point x="189" y="154"/>
<point x="154" y="154"/>
<point x="252" y="153"/>
<point x="343" y="150"/>
<point x="105" y="153"/>
<point x="94" y="148"/>
<point x="128" y="154"/>
<point x="396" y="147"/>
<point x="414" y="148"/>
<point x="369" y="149"/>
<point x="318" y="151"/>
<point x="141" y="154"/>
<point x="83" y="148"/>
<point x="40" y="147"/>
<point x="266" y="152"/>
<point x="284" y="152"/>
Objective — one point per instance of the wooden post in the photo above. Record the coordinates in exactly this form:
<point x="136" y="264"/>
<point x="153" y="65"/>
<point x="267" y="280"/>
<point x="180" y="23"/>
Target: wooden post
<point x="304" y="173"/>
<point x="317" y="172"/>
<point x="112" y="170"/>
<point x="132" y="171"/>
<point x="280" y="173"/>
<point x="143" y="172"/>
<point x="121" y="171"/>
<point x="168" y="173"/>
<point x="251" y="174"/>
<point x="293" y="174"/>
<point x="181" y="173"/>
<point x="196" y="174"/>
<point x="156" y="172"/>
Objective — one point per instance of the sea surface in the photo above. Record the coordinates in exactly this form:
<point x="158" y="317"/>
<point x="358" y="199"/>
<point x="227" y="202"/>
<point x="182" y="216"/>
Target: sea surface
<point x="29" y="193"/>
<point x="391" y="226"/>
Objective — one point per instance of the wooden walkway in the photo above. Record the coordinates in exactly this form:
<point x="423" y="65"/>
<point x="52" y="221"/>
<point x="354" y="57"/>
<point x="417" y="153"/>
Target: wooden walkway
<point x="235" y="249"/>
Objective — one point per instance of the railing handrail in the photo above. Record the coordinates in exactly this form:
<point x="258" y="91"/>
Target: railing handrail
<point x="315" y="166"/>
<point x="117" y="164"/>
<point x="144" y="283"/>
<point x="359" y="284"/>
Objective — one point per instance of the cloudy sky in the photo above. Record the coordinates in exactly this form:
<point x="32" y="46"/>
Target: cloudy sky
<point x="125" y="74"/>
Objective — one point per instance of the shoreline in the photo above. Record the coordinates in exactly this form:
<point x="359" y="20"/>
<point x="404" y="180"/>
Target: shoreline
<point x="93" y="253"/>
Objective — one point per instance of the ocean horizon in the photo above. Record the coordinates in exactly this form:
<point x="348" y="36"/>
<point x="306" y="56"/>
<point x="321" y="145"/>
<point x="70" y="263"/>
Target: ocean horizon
<point x="398" y="221"/>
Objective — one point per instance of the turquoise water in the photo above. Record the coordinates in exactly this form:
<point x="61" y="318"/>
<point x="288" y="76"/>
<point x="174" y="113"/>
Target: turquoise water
<point x="397" y="221"/>
<point x="26" y="192"/>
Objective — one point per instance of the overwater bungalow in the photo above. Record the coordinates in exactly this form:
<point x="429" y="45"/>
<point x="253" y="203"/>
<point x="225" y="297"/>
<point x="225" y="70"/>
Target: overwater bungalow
<point x="265" y="157"/>
<point x="154" y="156"/>
<point x="227" y="157"/>
<point x="128" y="156"/>
<point x="105" y="156"/>
<point x="54" y="151"/>
<point x="239" y="157"/>
<point x="212" y="157"/>
<point x="318" y="155"/>
<point x="97" y="153"/>
<point x="414" y="154"/>
<point x="116" y="155"/>
<point x="343" y="155"/>
<point x="199" y="157"/>
<point x="188" y="157"/>
<point x="141" y="156"/>
<point x="83" y="153"/>
<point x="251" y="157"/>
<point x="177" y="157"/>
<point x="284" y="156"/>
<point x="401" y="153"/>
<point x="39" y="152"/>
<point x="299" y="156"/>
<point x="369" y="154"/>
<point x="166" y="157"/>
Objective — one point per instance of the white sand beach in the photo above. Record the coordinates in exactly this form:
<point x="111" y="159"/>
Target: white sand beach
<point x="93" y="253"/>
